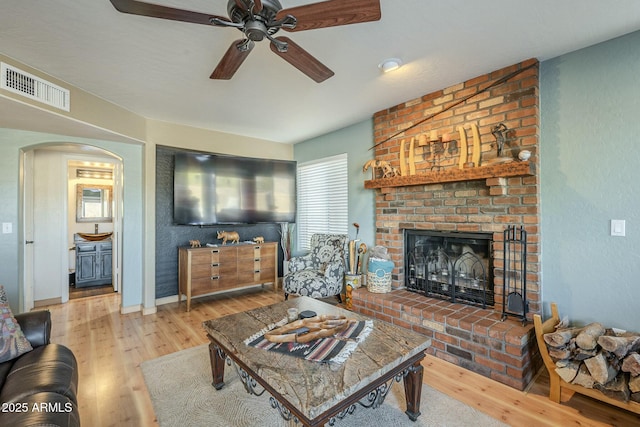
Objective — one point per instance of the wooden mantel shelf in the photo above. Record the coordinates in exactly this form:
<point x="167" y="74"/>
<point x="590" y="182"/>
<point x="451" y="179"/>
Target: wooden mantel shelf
<point x="503" y="170"/>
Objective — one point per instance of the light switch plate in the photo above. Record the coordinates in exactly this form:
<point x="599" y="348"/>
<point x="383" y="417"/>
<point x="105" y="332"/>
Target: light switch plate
<point x="618" y="227"/>
<point x="7" y="228"/>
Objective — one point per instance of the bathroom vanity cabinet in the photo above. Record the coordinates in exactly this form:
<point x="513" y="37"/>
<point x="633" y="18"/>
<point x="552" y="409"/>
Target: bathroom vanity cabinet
<point x="93" y="263"/>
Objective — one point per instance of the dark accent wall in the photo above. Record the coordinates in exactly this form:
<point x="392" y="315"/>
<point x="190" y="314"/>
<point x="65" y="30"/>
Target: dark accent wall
<point x="170" y="236"/>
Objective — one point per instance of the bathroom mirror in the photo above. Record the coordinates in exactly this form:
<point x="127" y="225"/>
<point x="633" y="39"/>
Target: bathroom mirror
<point x="93" y="203"/>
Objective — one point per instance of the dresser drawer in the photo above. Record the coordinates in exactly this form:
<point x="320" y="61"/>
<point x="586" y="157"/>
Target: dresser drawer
<point x="268" y="252"/>
<point x="205" y="285"/>
<point x="248" y="253"/>
<point x="204" y="270"/>
<point x="204" y="257"/>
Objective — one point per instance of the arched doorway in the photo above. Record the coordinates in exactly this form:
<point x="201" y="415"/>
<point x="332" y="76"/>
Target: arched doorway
<point x="48" y="213"/>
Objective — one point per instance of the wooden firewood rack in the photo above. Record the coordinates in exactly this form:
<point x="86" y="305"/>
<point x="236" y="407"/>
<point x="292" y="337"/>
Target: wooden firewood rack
<point x="556" y="384"/>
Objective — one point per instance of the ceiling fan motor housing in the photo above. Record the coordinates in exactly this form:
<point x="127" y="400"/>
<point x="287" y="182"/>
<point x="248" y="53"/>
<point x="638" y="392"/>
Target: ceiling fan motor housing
<point x="255" y="30"/>
<point x="255" y="24"/>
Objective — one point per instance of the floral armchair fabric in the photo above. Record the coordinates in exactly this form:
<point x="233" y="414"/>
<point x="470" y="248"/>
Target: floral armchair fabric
<point x="320" y="273"/>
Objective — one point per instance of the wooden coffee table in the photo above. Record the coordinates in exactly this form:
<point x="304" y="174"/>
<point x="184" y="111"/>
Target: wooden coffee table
<point x="311" y="392"/>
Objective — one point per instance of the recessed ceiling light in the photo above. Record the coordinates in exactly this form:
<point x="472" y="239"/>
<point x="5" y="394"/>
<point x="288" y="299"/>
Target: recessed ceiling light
<point x="390" y="64"/>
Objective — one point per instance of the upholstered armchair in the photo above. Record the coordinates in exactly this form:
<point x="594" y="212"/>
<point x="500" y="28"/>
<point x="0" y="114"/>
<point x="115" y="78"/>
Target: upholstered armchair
<point x="320" y="273"/>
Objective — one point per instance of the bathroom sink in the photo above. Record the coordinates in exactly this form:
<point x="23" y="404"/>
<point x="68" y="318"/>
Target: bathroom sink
<point x="95" y="237"/>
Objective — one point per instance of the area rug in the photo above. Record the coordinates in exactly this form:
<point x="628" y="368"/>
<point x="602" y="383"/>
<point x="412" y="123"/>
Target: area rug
<point x="180" y="388"/>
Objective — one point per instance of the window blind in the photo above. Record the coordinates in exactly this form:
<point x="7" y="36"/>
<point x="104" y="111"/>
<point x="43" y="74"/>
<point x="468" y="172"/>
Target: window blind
<point x="323" y="198"/>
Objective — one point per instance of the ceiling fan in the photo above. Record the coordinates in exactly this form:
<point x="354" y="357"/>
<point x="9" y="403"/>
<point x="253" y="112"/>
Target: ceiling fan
<point x="260" y="19"/>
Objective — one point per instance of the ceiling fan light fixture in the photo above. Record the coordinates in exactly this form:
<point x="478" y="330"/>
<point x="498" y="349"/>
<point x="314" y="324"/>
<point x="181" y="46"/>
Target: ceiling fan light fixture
<point x="389" y="65"/>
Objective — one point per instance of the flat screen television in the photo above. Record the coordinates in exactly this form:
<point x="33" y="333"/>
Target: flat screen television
<point x="216" y="189"/>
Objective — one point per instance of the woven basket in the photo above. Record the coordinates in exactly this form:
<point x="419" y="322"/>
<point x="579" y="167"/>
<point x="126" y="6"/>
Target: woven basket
<point x="379" y="281"/>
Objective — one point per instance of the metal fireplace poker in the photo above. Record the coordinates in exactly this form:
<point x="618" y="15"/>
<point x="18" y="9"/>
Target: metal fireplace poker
<point x="514" y="291"/>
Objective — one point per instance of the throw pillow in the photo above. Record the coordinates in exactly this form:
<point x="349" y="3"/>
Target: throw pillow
<point x="13" y="343"/>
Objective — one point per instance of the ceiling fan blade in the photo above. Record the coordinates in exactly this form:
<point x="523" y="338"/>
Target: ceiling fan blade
<point x="302" y="60"/>
<point x="332" y="13"/>
<point x="156" y="11"/>
<point x="232" y="59"/>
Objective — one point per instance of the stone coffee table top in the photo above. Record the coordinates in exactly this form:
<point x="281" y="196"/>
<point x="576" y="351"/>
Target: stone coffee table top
<point x="314" y="387"/>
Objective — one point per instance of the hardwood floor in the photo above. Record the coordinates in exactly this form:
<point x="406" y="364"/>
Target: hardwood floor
<point x="75" y="293"/>
<point x="110" y="347"/>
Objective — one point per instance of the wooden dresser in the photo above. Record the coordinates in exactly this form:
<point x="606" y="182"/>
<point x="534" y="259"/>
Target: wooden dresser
<point x="209" y="270"/>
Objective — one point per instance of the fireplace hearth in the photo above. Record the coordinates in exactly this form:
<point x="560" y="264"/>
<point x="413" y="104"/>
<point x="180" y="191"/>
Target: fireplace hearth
<point x="456" y="267"/>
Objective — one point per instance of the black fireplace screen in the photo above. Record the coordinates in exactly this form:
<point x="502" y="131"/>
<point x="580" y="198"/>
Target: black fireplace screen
<point x="454" y="266"/>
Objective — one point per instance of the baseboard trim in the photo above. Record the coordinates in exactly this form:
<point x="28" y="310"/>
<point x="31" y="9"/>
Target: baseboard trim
<point x="131" y="309"/>
<point x="136" y="308"/>
<point x="50" y="301"/>
<point x="149" y="310"/>
<point x="166" y="300"/>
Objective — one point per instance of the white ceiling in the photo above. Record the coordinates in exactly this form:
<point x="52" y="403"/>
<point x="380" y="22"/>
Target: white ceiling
<point x="160" y="69"/>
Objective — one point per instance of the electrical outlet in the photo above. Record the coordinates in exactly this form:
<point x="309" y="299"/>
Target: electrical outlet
<point x="7" y="228"/>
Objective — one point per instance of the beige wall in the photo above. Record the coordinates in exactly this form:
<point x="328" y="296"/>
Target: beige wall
<point x="98" y="113"/>
<point x="84" y="107"/>
<point x="173" y="135"/>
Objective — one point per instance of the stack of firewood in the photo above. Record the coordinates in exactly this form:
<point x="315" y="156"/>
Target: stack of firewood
<point x="600" y="358"/>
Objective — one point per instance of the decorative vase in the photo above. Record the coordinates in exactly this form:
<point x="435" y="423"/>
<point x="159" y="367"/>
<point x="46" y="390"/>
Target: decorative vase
<point x="524" y="155"/>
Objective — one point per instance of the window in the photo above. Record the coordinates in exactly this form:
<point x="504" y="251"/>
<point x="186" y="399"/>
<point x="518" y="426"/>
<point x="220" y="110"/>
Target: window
<point x="323" y="198"/>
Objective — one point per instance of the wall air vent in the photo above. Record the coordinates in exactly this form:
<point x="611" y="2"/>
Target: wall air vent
<point x="20" y="82"/>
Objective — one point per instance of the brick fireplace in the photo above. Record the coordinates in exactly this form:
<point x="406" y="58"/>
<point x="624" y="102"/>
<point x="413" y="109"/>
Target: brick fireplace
<point x="442" y="195"/>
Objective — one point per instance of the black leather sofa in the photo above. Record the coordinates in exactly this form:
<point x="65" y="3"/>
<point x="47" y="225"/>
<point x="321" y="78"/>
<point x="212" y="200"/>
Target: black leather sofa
<point x="39" y="387"/>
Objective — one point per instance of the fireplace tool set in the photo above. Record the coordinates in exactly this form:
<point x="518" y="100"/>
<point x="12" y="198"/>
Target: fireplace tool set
<point x="514" y="292"/>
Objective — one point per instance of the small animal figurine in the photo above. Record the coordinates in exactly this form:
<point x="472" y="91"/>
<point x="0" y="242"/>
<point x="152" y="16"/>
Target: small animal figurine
<point x="258" y="239"/>
<point x="228" y="235"/>
<point x="374" y="165"/>
<point x="387" y="170"/>
<point x="195" y="243"/>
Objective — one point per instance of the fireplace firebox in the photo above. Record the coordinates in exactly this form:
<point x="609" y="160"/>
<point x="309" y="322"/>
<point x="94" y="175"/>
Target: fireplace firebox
<point x="454" y="266"/>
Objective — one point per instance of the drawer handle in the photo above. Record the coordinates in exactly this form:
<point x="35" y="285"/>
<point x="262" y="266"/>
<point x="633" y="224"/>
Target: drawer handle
<point x="256" y="271"/>
<point x="215" y="277"/>
<point x="214" y="251"/>
<point x="215" y="264"/>
<point x="256" y="259"/>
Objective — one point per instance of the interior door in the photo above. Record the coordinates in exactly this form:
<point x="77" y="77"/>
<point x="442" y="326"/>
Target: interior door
<point x="50" y="247"/>
<point x="116" y="249"/>
<point x="27" y="229"/>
